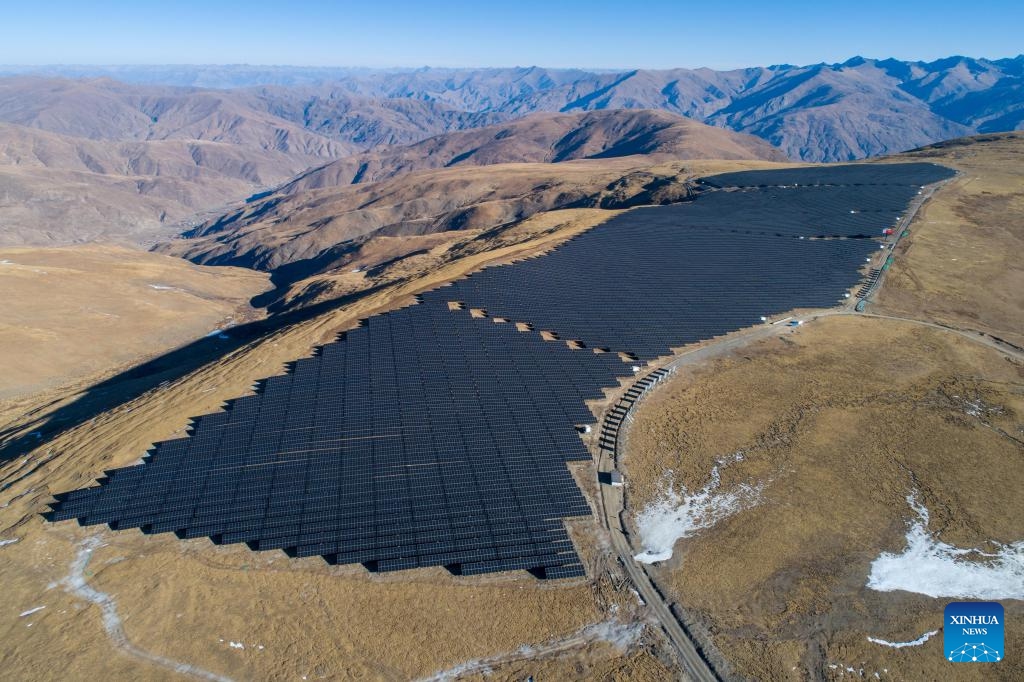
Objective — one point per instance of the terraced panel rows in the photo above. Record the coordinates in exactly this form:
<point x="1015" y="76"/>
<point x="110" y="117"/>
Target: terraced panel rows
<point x="430" y="437"/>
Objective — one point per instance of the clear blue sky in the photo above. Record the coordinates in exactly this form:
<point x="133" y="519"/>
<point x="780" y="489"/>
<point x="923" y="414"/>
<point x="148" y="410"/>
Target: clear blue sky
<point x="555" y="33"/>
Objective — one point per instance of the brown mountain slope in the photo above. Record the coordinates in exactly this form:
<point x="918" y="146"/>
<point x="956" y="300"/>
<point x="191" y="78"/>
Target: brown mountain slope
<point x="99" y="159"/>
<point x="326" y="224"/>
<point x="60" y="189"/>
<point x="108" y="110"/>
<point x="74" y="313"/>
<point x="326" y="218"/>
<point x="547" y="138"/>
<point x="463" y="180"/>
<point x="86" y="160"/>
<point x="313" y="240"/>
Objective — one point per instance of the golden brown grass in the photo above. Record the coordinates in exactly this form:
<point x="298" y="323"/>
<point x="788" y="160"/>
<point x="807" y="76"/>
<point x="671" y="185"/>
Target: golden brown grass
<point x="961" y="265"/>
<point x="74" y="312"/>
<point x="179" y="599"/>
<point x="839" y="421"/>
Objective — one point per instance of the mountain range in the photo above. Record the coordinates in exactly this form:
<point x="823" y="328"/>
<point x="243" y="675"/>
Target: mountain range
<point x="470" y="180"/>
<point x="149" y="156"/>
<point x="140" y="154"/>
<point x="546" y="138"/>
<point x="821" y="112"/>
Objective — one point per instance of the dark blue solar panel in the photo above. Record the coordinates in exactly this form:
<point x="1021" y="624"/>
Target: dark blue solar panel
<point x="428" y="437"/>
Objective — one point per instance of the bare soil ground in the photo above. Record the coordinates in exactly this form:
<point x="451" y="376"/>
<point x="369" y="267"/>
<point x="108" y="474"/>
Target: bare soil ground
<point x="601" y="661"/>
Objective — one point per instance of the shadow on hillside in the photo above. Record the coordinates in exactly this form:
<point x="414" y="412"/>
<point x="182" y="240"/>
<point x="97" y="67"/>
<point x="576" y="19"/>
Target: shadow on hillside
<point x="134" y="382"/>
<point x="170" y="366"/>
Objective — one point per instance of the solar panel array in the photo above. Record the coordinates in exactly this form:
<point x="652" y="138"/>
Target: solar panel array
<point x="423" y="438"/>
<point x="646" y="282"/>
<point x="432" y="437"/>
<point x="917" y="174"/>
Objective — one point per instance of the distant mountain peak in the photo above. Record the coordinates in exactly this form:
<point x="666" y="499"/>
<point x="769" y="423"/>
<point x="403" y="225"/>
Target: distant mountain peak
<point x="863" y="106"/>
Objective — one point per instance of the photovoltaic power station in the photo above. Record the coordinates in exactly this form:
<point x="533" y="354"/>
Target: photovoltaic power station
<point x="430" y="436"/>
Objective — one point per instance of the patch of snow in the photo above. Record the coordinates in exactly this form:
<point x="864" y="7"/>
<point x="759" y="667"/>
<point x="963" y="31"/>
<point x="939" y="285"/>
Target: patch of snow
<point x="899" y="645"/>
<point x="236" y="645"/>
<point x="934" y="568"/>
<point x="31" y="611"/>
<point x="676" y="516"/>
<point x="978" y="407"/>
<point x="75" y="583"/>
<point x="4" y="543"/>
<point x="162" y="287"/>
<point x="6" y="262"/>
<point x="620" y="635"/>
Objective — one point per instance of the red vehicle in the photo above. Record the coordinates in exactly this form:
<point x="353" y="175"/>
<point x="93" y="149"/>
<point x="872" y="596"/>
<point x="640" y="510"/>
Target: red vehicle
<point x="888" y="231"/>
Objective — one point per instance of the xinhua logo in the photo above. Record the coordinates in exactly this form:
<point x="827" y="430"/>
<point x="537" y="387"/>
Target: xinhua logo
<point x="973" y="632"/>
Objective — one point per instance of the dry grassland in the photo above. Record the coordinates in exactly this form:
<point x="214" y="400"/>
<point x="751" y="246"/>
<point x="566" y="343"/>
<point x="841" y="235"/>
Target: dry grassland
<point x="839" y="422"/>
<point x="962" y="264"/>
<point x="74" y="312"/>
<point x="179" y="600"/>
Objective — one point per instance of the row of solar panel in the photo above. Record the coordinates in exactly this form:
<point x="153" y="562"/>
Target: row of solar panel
<point x="427" y="437"/>
<point x="679" y="292"/>
<point x="251" y="517"/>
<point x="875" y="174"/>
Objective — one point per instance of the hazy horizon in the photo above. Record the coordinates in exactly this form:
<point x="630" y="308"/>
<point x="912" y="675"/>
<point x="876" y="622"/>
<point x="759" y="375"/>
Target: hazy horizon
<point x="658" y="34"/>
<point x="418" y="67"/>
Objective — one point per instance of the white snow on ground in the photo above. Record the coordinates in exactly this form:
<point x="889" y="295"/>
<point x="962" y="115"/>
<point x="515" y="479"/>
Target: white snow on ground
<point x="621" y="635"/>
<point x="4" y="543"/>
<point x="675" y="517"/>
<point x="75" y="583"/>
<point x="162" y="287"/>
<point x="899" y="645"/>
<point x="31" y="611"/>
<point x="931" y="567"/>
